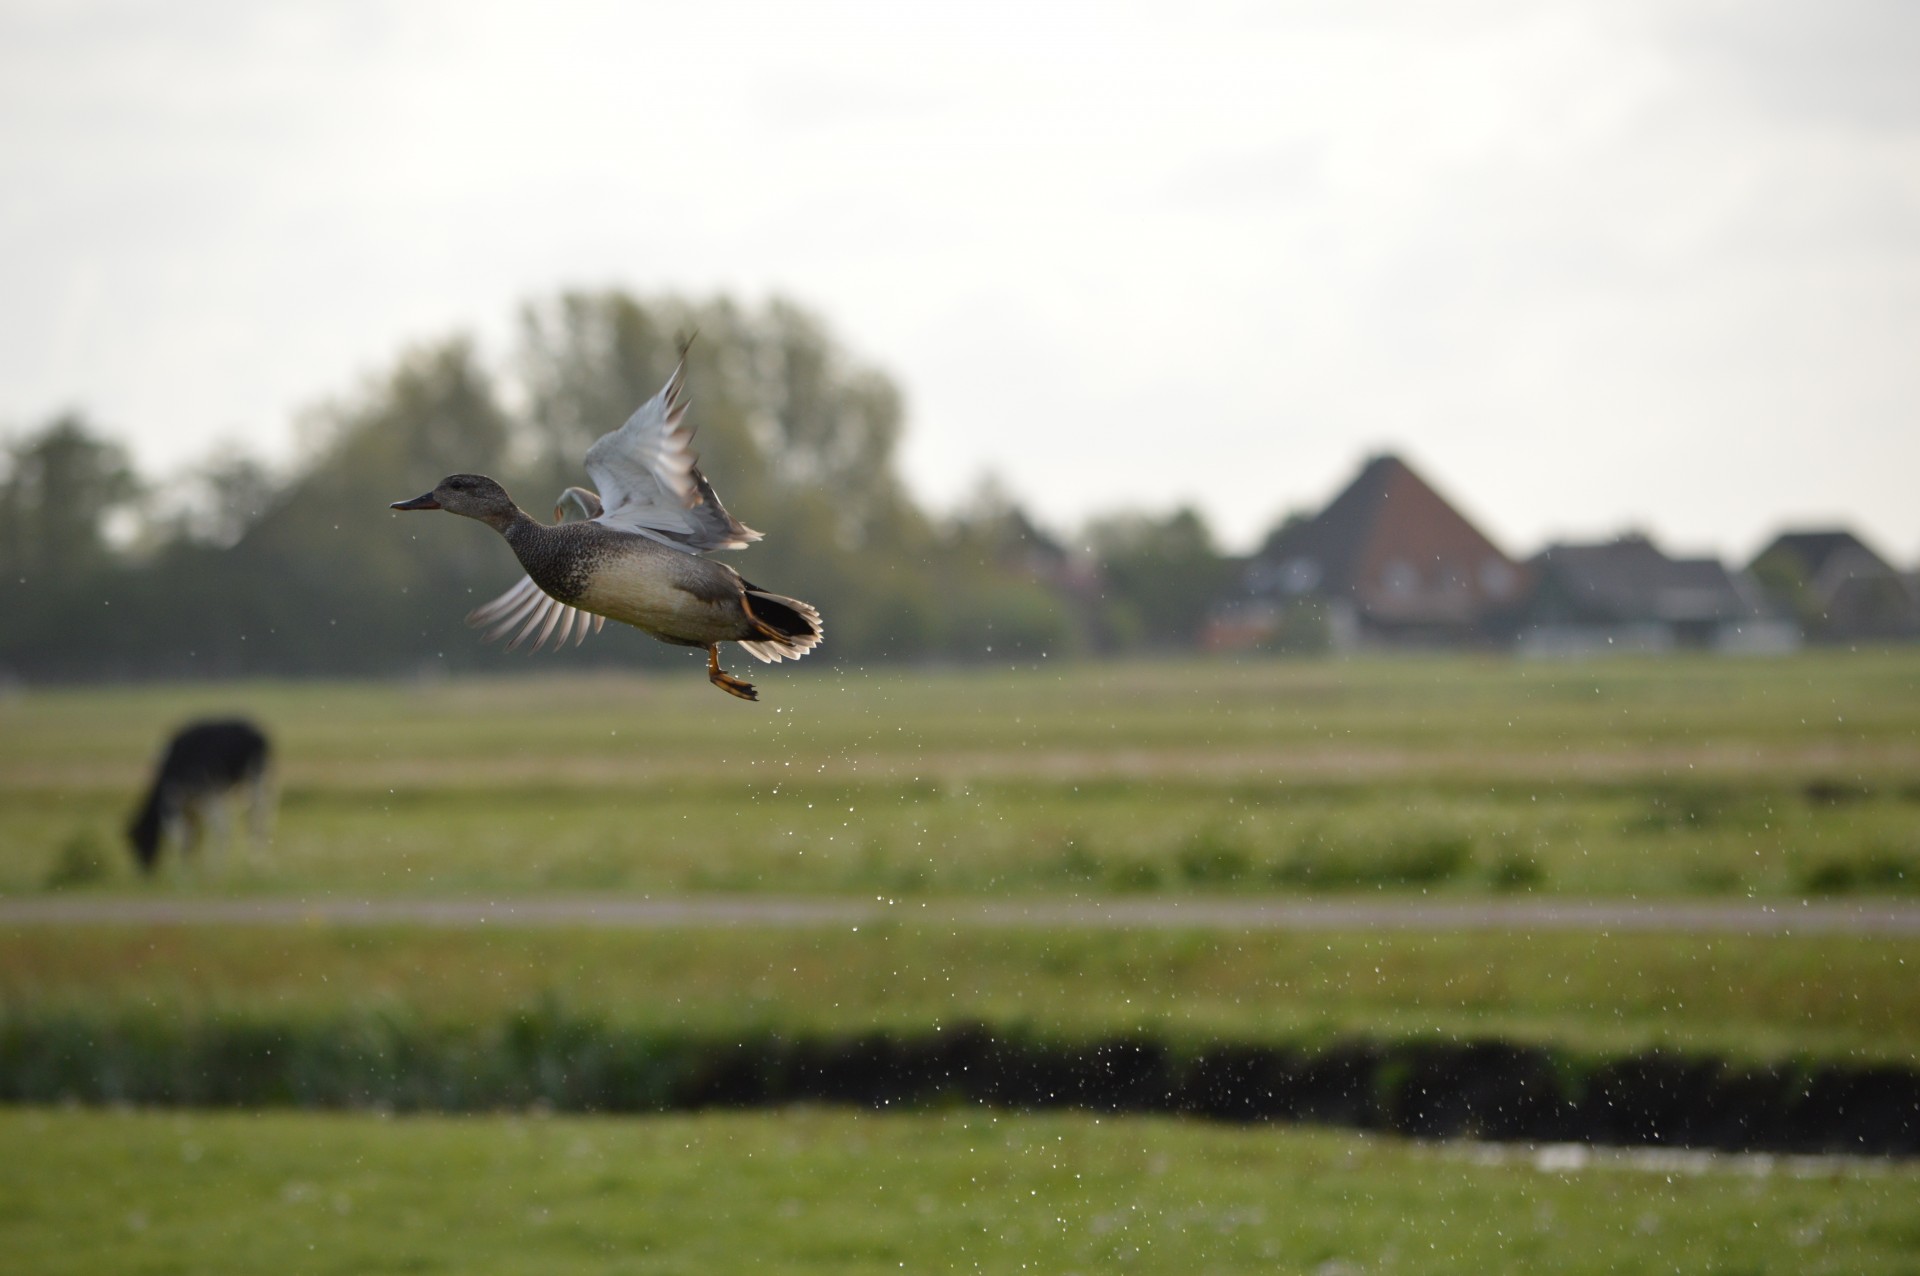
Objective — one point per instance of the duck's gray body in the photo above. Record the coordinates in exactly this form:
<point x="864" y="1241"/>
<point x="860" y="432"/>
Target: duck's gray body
<point x="675" y="596"/>
<point x="634" y="553"/>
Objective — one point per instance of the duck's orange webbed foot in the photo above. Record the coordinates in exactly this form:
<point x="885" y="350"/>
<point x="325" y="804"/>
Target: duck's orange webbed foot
<point x="725" y="681"/>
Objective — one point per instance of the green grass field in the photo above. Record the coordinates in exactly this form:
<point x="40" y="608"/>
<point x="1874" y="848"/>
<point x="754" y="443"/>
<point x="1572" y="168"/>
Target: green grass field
<point x="1456" y="777"/>
<point x="1776" y="778"/>
<point x="1830" y="998"/>
<point x="813" y="1191"/>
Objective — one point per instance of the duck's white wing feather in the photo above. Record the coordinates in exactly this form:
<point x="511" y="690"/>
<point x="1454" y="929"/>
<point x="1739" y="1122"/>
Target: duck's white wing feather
<point x="650" y="484"/>
<point x="527" y="608"/>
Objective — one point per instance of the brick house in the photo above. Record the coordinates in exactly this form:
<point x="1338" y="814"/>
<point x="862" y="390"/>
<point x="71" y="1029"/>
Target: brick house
<point x="1389" y="562"/>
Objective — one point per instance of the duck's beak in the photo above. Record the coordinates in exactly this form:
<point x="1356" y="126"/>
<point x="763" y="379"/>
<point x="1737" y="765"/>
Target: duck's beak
<point x="417" y="503"/>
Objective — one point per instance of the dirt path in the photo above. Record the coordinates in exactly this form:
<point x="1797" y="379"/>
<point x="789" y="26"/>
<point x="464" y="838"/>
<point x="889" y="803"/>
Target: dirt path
<point x="1599" y="917"/>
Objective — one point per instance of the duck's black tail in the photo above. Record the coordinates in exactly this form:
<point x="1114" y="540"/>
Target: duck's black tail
<point x="788" y="628"/>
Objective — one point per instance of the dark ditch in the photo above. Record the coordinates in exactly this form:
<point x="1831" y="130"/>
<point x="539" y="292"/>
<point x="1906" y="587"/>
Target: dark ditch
<point x="1483" y="1090"/>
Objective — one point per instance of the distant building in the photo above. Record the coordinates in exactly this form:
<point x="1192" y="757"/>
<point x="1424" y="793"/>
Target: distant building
<point x="1838" y="588"/>
<point x="1824" y="558"/>
<point x="1388" y="563"/>
<point x="1626" y="595"/>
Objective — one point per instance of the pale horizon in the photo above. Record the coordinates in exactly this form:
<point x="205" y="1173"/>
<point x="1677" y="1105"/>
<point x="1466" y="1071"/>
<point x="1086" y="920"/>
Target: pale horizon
<point x="1587" y="267"/>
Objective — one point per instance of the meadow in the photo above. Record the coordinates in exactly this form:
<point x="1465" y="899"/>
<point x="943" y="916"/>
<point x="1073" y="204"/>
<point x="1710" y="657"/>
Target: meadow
<point x="824" y="1191"/>
<point x="1454" y="778"/>
<point x="1776" y="778"/>
<point x="1810" y="999"/>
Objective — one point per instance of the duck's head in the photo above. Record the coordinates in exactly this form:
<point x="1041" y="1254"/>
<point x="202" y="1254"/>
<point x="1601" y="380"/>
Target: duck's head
<point x="474" y="495"/>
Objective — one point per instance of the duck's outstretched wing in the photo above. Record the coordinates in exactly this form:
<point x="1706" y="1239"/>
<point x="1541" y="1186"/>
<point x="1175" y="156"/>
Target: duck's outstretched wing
<point x="527" y="607"/>
<point x="649" y="481"/>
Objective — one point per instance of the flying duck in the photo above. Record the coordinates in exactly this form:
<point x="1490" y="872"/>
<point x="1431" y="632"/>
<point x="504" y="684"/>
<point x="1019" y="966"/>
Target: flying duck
<point x="631" y="551"/>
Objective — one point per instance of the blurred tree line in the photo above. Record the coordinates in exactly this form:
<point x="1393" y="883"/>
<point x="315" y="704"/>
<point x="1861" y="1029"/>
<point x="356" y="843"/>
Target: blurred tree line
<point x="241" y="570"/>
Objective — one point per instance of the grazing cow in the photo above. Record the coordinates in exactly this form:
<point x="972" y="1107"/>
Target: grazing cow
<point x="206" y="763"/>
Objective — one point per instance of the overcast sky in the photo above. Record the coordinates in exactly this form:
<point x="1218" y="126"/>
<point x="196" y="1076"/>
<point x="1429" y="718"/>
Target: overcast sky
<point x="1588" y="265"/>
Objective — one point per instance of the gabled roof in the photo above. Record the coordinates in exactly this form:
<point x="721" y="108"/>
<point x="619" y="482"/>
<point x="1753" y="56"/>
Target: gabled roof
<point x="1826" y="556"/>
<point x="1395" y="547"/>
<point x="1335" y="540"/>
<point x="1630" y="580"/>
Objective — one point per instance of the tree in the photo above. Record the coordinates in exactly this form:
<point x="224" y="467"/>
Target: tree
<point x="1165" y="572"/>
<point x="61" y="485"/>
<point x="219" y="502"/>
<point x="328" y="577"/>
<point x="1782" y="574"/>
<point x="309" y="573"/>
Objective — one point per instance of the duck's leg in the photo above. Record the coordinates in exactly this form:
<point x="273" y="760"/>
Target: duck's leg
<point x="725" y="681"/>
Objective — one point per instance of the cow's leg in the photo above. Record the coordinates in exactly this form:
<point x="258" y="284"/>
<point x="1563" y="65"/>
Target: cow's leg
<point x="260" y="803"/>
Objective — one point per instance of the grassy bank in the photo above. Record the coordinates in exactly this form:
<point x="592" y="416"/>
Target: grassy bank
<point x="806" y="1191"/>
<point x="1685" y="776"/>
<point x="1806" y="1043"/>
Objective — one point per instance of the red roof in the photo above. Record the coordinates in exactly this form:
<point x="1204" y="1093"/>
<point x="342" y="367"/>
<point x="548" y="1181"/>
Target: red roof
<point x="1397" y="549"/>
